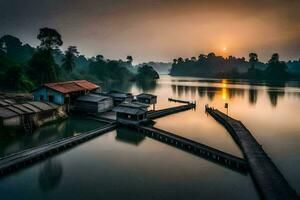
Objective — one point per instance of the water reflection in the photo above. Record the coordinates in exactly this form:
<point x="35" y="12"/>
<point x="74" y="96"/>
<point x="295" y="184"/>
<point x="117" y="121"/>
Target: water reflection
<point x="252" y="95"/>
<point x="128" y="136"/>
<point x="225" y="92"/>
<point x="274" y="95"/>
<point x="147" y="86"/>
<point x="50" y="174"/>
<point x="11" y="142"/>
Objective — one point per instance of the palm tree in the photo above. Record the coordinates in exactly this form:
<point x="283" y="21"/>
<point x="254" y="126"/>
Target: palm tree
<point x="69" y="59"/>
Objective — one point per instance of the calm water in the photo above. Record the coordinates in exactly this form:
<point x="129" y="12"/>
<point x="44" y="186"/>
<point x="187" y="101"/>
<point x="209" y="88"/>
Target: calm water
<point x="123" y="165"/>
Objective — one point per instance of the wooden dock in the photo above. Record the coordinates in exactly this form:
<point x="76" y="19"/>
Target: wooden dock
<point x="21" y="159"/>
<point x="169" y="111"/>
<point x="179" y="101"/>
<point x="269" y="181"/>
<point x="204" y="151"/>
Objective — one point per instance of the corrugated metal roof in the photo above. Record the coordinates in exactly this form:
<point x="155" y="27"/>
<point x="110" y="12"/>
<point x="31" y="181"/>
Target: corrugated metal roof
<point x="2" y="103"/>
<point x="41" y="105"/>
<point x="71" y="86"/>
<point x="86" y="84"/>
<point x="93" y="98"/>
<point x="16" y="110"/>
<point x="6" y="113"/>
<point x="23" y="108"/>
<point x="26" y="108"/>
<point x="6" y="102"/>
<point x="128" y="110"/>
<point x="145" y="95"/>
<point x="131" y="108"/>
<point x="31" y="107"/>
<point x="115" y="94"/>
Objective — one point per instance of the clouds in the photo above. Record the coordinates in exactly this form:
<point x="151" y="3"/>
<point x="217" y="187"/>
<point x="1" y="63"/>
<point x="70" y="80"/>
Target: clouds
<point x="160" y="30"/>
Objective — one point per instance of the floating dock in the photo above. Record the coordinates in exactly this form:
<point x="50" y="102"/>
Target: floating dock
<point x="21" y="159"/>
<point x="269" y="181"/>
<point x="204" y="151"/>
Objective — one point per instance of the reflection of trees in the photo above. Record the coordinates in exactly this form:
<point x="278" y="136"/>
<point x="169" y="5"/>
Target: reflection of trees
<point x="235" y="92"/>
<point x="129" y="136"/>
<point x="201" y="91"/>
<point x="146" y="86"/>
<point x="180" y="90"/>
<point x="174" y="89"/>
<point x="193" y="91"/>
<point x="50" y="174"/>
<point x="252" y="95"/>
<point x="211" y="92"/>
<point x="274" y="95"/>
<point x="123" y="86"/>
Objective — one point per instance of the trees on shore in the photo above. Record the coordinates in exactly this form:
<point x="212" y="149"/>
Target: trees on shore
<point x="216" y="66"/>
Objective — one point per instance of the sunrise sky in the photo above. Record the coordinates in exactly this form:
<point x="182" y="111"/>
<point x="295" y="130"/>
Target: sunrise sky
<point x="160" y="30"/>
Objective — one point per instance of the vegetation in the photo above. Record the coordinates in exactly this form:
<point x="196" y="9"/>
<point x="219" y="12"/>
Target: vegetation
<point x="146" y="73"/>
<point x="216" y="66"/>
<point x="23" y="67"/>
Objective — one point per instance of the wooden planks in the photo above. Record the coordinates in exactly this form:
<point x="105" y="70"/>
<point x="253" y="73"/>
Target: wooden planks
<point x="268" y="179"/>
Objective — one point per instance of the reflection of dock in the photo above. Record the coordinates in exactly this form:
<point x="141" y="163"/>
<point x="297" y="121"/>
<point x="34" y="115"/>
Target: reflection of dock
<point x="209" y="153"/>
<point x="268" y="179"/>
<point x="23" y="158"/>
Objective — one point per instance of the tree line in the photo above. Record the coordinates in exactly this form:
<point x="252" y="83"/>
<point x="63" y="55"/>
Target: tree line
<point x="23" y="67"/>
<point x="212" y="65"/>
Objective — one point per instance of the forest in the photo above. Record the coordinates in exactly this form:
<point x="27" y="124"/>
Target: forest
<point x="23" y="67"/>
<point x="215" y="66"/>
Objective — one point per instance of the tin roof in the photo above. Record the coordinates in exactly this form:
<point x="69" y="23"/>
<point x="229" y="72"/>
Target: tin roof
<point x="71" y="86"/>
<point x="115" y="94"/>
<point x="6" y="102"/>
<point x="26" y="108"/>
<point x="145" y="95"/>
<point x="92" y="98"/>
<point x="130" y="108"/>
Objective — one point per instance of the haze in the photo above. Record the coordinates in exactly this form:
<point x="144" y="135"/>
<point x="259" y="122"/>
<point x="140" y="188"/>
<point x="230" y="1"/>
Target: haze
<point x="160" y="30"/>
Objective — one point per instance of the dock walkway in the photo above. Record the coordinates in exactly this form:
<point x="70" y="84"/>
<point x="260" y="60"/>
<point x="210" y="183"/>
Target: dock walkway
<point x="169" y="111"/>
<point x="204" y="151"/>
<point x="21" y="159"/>
<point x="268" y="179"/>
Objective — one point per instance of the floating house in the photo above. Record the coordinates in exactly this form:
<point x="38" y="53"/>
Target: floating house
<point x="131" y="113"/>
<point x="29" y="115"/>
<point x="63" y="93"/>
<point x="93" y="103"/>
<point x="119" y="97"/>
<point x="147" y="99"/>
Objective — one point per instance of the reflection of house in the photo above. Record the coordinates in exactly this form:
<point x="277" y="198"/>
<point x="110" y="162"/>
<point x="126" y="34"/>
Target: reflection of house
<point x="147" y="99"/>
<point x="119" y="97"/>
<point x="131" y="113"/>
<point x="129" y="136"/>
<point x="94" y="103"/>
<point x="29" y="115"/>
<point x="64" y="93"/>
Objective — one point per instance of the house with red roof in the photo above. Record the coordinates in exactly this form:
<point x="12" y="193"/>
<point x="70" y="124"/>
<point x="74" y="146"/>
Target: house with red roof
<point x="63" y="93"/>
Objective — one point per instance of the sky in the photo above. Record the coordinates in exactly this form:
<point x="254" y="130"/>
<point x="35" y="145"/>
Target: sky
<point x="152" y="30"/>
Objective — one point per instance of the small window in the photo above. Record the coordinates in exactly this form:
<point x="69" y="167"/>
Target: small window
<point x="41" y="98"/>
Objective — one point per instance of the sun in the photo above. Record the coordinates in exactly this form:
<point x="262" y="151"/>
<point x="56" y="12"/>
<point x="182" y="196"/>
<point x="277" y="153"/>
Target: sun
<point x="224" y="49"/>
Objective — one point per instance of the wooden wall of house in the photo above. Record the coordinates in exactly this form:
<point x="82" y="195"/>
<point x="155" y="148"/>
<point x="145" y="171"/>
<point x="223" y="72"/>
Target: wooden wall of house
<point x="58" y="98"/>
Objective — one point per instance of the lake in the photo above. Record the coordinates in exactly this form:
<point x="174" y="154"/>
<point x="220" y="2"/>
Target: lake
<point x="122" y="164"/>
